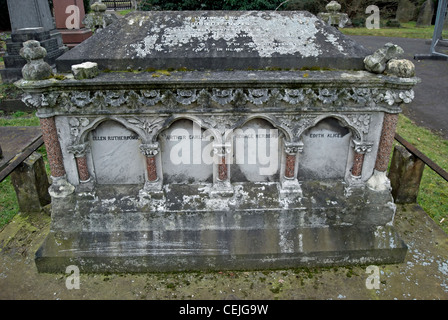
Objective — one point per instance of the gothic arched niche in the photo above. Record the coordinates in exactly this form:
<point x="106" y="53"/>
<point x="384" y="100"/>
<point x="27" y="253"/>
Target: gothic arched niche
<point x="115" y="154"/>
<point x="186" y="153"/>
<point x="256" y="152"/>
<point x="326" y="147"/>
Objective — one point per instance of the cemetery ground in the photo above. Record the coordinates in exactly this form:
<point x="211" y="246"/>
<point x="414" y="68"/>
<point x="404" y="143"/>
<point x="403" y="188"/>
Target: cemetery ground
<point x="423" y="275"/>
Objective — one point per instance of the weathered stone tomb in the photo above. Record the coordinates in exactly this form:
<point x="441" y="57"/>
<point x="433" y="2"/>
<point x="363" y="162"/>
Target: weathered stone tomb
<point x="218" y="140"/>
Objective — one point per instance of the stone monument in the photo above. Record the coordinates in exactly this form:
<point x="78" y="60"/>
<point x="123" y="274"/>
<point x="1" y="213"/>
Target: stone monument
<point x="69" y="15"/>
<point x="99" y="19"/>
<point x="30" y="20"/>
<point x="426" y="14"/>
<point x="221" y="140"/>
<point x="333" y="17"/>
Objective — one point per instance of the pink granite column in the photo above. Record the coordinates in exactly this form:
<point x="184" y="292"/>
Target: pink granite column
<point x="290" y="166"/>
<point x="150" y="151"/>
<point x="222" y="169"/>
<point x="360" y="147"/>
<point x="151" y="167"/>
<point x="79" y="151"/>
<point x="221" y="152"/>
<point x="386" y="141"/>
<point x="358" y="161"/>
<point x="291" y="150"/>
<point x="51" y="140"/>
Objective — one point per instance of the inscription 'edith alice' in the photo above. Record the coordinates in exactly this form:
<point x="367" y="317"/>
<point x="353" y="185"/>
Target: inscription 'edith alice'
<point x="328" y="135"/>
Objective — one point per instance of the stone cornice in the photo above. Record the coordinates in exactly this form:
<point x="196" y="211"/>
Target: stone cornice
<point x="269" y="91"/>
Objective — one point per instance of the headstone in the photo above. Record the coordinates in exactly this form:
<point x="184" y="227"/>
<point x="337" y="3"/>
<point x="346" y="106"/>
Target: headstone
<point x="31" y="184"/>
<point x="216" y="144"/>
<point x="30" y="20"/>
<point x="426" y="14"/>
<point x="69" y="15"/>
<point x="405" y="175"/>
<point x="405" y="11"/>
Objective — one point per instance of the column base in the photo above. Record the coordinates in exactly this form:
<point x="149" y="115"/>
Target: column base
<point x="152" y="190"/>
<point x="60" y="188"/>
<point x="85" y="186"/>
<point x="290" y="188"/>
<point x="355" y="181"/>
<point x="379" y="181"/>
<point x="222" y="189"/>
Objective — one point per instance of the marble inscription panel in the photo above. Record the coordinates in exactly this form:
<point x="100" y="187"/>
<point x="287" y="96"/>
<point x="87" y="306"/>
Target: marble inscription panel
<point x="116" y="155"/>
<point x="325" y="151"/>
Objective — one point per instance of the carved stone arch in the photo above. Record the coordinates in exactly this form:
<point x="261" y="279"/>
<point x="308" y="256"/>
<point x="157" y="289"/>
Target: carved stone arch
<point x="343" y="120"/>
<point x="270" y="119"/>
<point x="197" y="120"/>
<point x="83" y="134"/>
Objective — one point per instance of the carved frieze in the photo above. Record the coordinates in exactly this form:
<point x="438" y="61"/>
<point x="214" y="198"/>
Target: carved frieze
<point x="139" y="100"/>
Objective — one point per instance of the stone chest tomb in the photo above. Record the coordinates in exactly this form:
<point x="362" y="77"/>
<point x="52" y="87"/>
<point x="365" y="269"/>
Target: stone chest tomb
<point x="219" y="140"/>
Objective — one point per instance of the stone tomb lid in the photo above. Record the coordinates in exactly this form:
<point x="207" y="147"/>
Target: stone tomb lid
<point x="217" y="40"/>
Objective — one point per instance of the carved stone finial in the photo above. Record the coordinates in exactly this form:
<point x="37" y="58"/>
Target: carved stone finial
<point x="98" y="6"/>
<point x="36" y="68"/>
<point x="402" y="68"/>
<point x="333" y="6"/>
<point x="377" y="61"/>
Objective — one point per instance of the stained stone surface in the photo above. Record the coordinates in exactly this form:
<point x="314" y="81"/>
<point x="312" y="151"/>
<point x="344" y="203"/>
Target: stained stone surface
<point x="213" y="40"/>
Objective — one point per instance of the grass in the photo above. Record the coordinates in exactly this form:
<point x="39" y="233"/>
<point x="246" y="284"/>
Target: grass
<point x="8" y="200"/>
<point x="407" y="30"/>
<point x="433" y="193"/>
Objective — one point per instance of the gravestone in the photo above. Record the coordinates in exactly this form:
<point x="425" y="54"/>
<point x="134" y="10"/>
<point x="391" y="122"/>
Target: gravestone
<point x="30" y="20"/>
<point x="405" y="11"/>
<point x="426" y="14"/>
<point x="69" y="15"/>
<point x="238" y="140"/>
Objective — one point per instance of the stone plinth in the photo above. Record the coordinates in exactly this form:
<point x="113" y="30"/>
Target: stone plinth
<point x="193" y="166"/>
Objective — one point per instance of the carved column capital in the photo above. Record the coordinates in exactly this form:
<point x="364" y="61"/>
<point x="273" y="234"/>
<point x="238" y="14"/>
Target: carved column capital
<point x="150" y="150"/>
<point x="362" y="147"/>
<point x="292" y="148"/>
<point x="222" y="149"/>
<point x="79" y="150"/>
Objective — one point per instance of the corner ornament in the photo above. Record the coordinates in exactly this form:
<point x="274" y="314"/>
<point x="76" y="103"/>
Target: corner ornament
<point x="36" y="68"/>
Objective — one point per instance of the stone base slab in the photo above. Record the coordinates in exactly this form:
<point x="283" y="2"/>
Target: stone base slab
<point x="189" y="250"/>
<point x="186" y="227"/>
